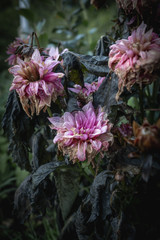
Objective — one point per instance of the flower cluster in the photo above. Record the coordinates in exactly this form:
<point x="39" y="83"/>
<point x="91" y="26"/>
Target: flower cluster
<point x="135" y="59"/>
<point x="12" y="50"/>
<point x="36" y="83"/>
<point x="82" y="134"/>
<point x="54" y="52"/>
<point x="85" y="94"/>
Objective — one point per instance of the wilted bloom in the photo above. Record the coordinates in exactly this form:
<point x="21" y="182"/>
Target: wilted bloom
<point x="82" y="134"/>
<point x="36" y="83"/>
<point x="125" y="129"/>
<point x="54" y="52"/>
<point x="147" y="137"/>
<point x="85" y="94"/>
<point x="138" y="5"/>
<point x="12" y="50"/>
<point x="135" y="59"/>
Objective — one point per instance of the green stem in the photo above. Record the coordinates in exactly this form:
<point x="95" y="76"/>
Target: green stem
<point x="32" y="40"/>
<point x="153" y="100"/>
<point x="155" y="91"/>
<point x="141" y="103"/>
<point x="49" y="112"/>
<point x="148" y="95"/>
<point x="38" y="45"/>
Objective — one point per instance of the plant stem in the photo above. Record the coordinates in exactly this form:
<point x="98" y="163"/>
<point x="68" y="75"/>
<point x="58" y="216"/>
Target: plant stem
<point x="49" y="112"/>
<point x="141" y="103"/>
<point x="38" y="45"/>
<point x="153" y="100"/>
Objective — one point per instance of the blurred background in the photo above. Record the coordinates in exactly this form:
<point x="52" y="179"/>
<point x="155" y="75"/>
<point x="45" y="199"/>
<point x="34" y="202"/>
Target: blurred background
<point x="73" y="24"/>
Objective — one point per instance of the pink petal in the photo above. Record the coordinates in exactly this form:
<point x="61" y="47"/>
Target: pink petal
<point x="36" y="56"/>
<point x="57" y="122"/>
<point x="68" y="120"/>
<point x="14" y="70"/>
<point x="74" y="90"/>
<point x="87" y="107"/>
<point x="58" y="137"/>
<point x="81" y="153"/>
<point x="96" y="144"/>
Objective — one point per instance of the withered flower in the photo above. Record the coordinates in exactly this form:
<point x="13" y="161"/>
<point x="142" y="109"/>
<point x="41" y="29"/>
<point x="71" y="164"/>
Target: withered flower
<point x="147" y="137"/>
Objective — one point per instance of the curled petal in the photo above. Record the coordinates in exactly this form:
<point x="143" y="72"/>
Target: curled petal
<point x="83" y="134"/>
<point x="81" y="153"/>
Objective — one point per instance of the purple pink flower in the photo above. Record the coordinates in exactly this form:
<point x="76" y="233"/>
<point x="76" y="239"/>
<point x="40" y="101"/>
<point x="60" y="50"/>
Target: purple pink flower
<point x="12" y="50"/>
<point x="88" y="88"/>
<point x="54" y="52"/>
<point x="126" y="130"/>
<point x="85" y="93"/>
<point x="36" y="83"/>
<point x="135" y="59"/>
<point x="82" y="134"/>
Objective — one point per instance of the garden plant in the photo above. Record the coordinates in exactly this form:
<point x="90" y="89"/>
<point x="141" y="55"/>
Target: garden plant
<point x="87" y="129"/>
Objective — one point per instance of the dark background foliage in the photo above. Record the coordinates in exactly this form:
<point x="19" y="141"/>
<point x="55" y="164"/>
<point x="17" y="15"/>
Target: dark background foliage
<point x="43" y="196"/>
<point x="70" y="24"/>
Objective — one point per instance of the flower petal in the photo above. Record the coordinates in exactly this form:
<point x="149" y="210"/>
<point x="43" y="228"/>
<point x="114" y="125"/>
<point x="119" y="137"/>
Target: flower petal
<point x="81" y="153"/>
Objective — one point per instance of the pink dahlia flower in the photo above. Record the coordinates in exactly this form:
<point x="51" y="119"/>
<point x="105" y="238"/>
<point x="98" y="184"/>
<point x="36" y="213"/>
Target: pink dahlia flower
<point x="12" y="50"/>
<point x="36" y="83"/>
<point x="89" y="88"/>
<point x="85" y="94"/>
<point x="54" y="52"/>
<point x="82" y="134"/>
<point x="135" y="59"/>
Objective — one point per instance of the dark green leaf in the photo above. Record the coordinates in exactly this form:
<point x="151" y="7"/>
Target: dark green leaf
<point x="105" y="96"/>
<point x="18" y="127"/>
<point x="35" y="192"/>
<point x="146" y="166"/>
<point x="43" y="40"/>
<point x="27" y="13"/>
<point x="67" y="184"/>
<point x="43" y="171"/>
<point x="39" y="153"/>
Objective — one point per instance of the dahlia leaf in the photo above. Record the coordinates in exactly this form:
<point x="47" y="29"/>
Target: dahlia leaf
<point x="105" y="96"/>
<point x="95" y="208"/>
<point x="19" y="129"/>
<point x="35" y="192"/>
<point x="67" y="184"/>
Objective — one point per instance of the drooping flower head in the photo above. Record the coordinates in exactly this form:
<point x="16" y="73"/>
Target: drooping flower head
<point x="82" y="134"/>
<point x="85" y="94"/>
<point x="12" y="50"/>
<point x="135" y="59"/>
<point x="36" y="83"/>
<point x="147" y="137"/>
